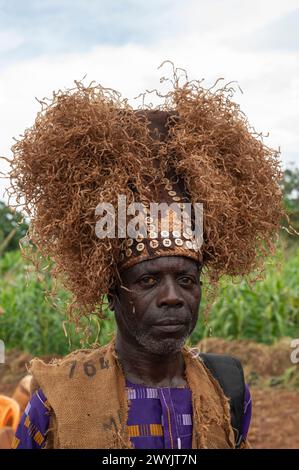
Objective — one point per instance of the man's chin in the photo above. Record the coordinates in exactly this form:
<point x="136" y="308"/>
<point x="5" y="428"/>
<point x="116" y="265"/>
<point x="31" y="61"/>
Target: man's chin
<point x="162" y="346"/>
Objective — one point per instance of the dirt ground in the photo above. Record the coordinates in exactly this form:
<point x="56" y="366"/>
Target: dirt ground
<point x="273" y="381"/>
<point x="274" y="387"/>
<point x="275" y="420"/>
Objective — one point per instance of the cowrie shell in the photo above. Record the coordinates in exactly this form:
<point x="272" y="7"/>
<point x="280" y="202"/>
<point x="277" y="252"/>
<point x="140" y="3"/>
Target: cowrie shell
<point x="176" y="234"/>
<point x="153" y="235"/>
<point x="164" y="233"/>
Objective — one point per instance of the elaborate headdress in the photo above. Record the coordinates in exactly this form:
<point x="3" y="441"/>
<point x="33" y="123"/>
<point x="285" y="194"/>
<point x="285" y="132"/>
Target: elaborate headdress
<point x="88" y="146"/>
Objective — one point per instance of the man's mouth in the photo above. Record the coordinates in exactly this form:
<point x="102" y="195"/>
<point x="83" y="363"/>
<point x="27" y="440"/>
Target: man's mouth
<point x="169" y="326"/>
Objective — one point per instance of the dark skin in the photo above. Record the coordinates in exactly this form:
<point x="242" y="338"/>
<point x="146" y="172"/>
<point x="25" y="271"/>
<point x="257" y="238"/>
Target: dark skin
<point x="163" y="290"/>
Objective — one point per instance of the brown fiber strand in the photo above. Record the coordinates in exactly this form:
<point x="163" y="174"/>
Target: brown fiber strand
<point x="87" y="145"/>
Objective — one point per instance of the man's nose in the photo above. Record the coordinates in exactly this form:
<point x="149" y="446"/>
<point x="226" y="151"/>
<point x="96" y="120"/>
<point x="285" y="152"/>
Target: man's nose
<point x="169" y="295"/>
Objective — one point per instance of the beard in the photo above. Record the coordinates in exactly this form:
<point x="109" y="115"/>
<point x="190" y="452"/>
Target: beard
<point x="160" y="346"/>
<point x="144" y="335"/>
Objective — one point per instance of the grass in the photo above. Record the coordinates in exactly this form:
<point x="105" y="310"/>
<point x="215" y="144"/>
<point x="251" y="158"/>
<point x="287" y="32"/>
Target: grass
<point x="30" y="322"/>
<point x="264" y="313"/>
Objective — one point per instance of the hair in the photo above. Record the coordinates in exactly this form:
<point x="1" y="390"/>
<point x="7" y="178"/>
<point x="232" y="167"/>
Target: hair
<point x="87" y="145"/>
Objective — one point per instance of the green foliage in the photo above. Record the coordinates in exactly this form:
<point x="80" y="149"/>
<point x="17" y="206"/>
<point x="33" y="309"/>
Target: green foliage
<point x="265" y="312"/>
<point x="32" y="323"/>
<point x="288" y="379"/>
<point x="12" y="228"/>
<point x="290" y="187"/>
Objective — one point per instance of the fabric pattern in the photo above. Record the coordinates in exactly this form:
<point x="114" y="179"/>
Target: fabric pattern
<point x="159" y="418"/>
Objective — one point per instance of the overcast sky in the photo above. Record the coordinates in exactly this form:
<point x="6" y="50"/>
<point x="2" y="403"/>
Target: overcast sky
<point x="47" y="44"/>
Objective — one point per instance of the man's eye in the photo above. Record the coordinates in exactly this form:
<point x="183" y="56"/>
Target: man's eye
<point x="187" y="281"/>
<point x="148" y="281"/>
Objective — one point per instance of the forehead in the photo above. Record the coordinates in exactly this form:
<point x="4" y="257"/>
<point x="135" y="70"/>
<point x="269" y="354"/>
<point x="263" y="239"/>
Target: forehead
<point x="164" y="264"/>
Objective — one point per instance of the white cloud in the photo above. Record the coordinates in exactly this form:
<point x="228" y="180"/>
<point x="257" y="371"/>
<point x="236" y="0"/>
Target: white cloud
<point x="231" y="18"/>
<point x="10" y="40"/>
<point x="269" y="79"/>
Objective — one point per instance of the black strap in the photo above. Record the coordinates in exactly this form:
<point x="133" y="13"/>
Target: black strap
<point x="229" y="373"/>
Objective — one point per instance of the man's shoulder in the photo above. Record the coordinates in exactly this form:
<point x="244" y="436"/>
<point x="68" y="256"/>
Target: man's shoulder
<point x="226" y="369"/>
<point x="223" y="359"/>
<point x="79" y="356"/>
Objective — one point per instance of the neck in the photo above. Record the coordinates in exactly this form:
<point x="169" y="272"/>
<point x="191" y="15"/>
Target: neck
<point x="142" y="367"/>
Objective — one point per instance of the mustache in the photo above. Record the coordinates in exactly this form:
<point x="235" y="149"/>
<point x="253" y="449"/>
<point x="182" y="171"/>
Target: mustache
<point x="169" y="316"/>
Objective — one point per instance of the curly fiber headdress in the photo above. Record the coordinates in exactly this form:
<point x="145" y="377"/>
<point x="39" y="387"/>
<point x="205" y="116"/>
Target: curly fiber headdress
<point x="88" y="145"/>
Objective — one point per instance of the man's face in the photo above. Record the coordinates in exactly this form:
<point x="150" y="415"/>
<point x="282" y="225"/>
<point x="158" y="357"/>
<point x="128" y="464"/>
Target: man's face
<point x="157" y="307"/>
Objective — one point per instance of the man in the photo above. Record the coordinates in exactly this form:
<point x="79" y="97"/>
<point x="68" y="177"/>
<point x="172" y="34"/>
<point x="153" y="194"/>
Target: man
<point x="145" y="389"/>
<point x="156" y="310"/>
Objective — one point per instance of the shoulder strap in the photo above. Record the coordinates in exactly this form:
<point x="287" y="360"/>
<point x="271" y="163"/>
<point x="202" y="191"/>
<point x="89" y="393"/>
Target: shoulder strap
<point x="229" y="373"/>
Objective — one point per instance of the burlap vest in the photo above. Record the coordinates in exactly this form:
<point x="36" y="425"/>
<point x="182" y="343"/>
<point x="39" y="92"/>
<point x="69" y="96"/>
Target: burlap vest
<point x="86" y="391"/>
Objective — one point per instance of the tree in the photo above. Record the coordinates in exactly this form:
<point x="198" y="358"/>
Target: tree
<point x="290" y="187"/>
<point x="12" y="228"/>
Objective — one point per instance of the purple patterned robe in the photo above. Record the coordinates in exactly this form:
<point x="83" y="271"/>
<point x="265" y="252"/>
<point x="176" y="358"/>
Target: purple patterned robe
<point x="159" y="418"/>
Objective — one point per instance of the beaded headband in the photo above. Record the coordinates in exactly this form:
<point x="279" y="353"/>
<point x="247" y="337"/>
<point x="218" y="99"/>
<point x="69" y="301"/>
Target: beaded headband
<point x="178" y="238"/>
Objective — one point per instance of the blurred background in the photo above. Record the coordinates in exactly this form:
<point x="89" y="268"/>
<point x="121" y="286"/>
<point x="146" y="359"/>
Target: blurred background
<point x="47" y="44"/>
